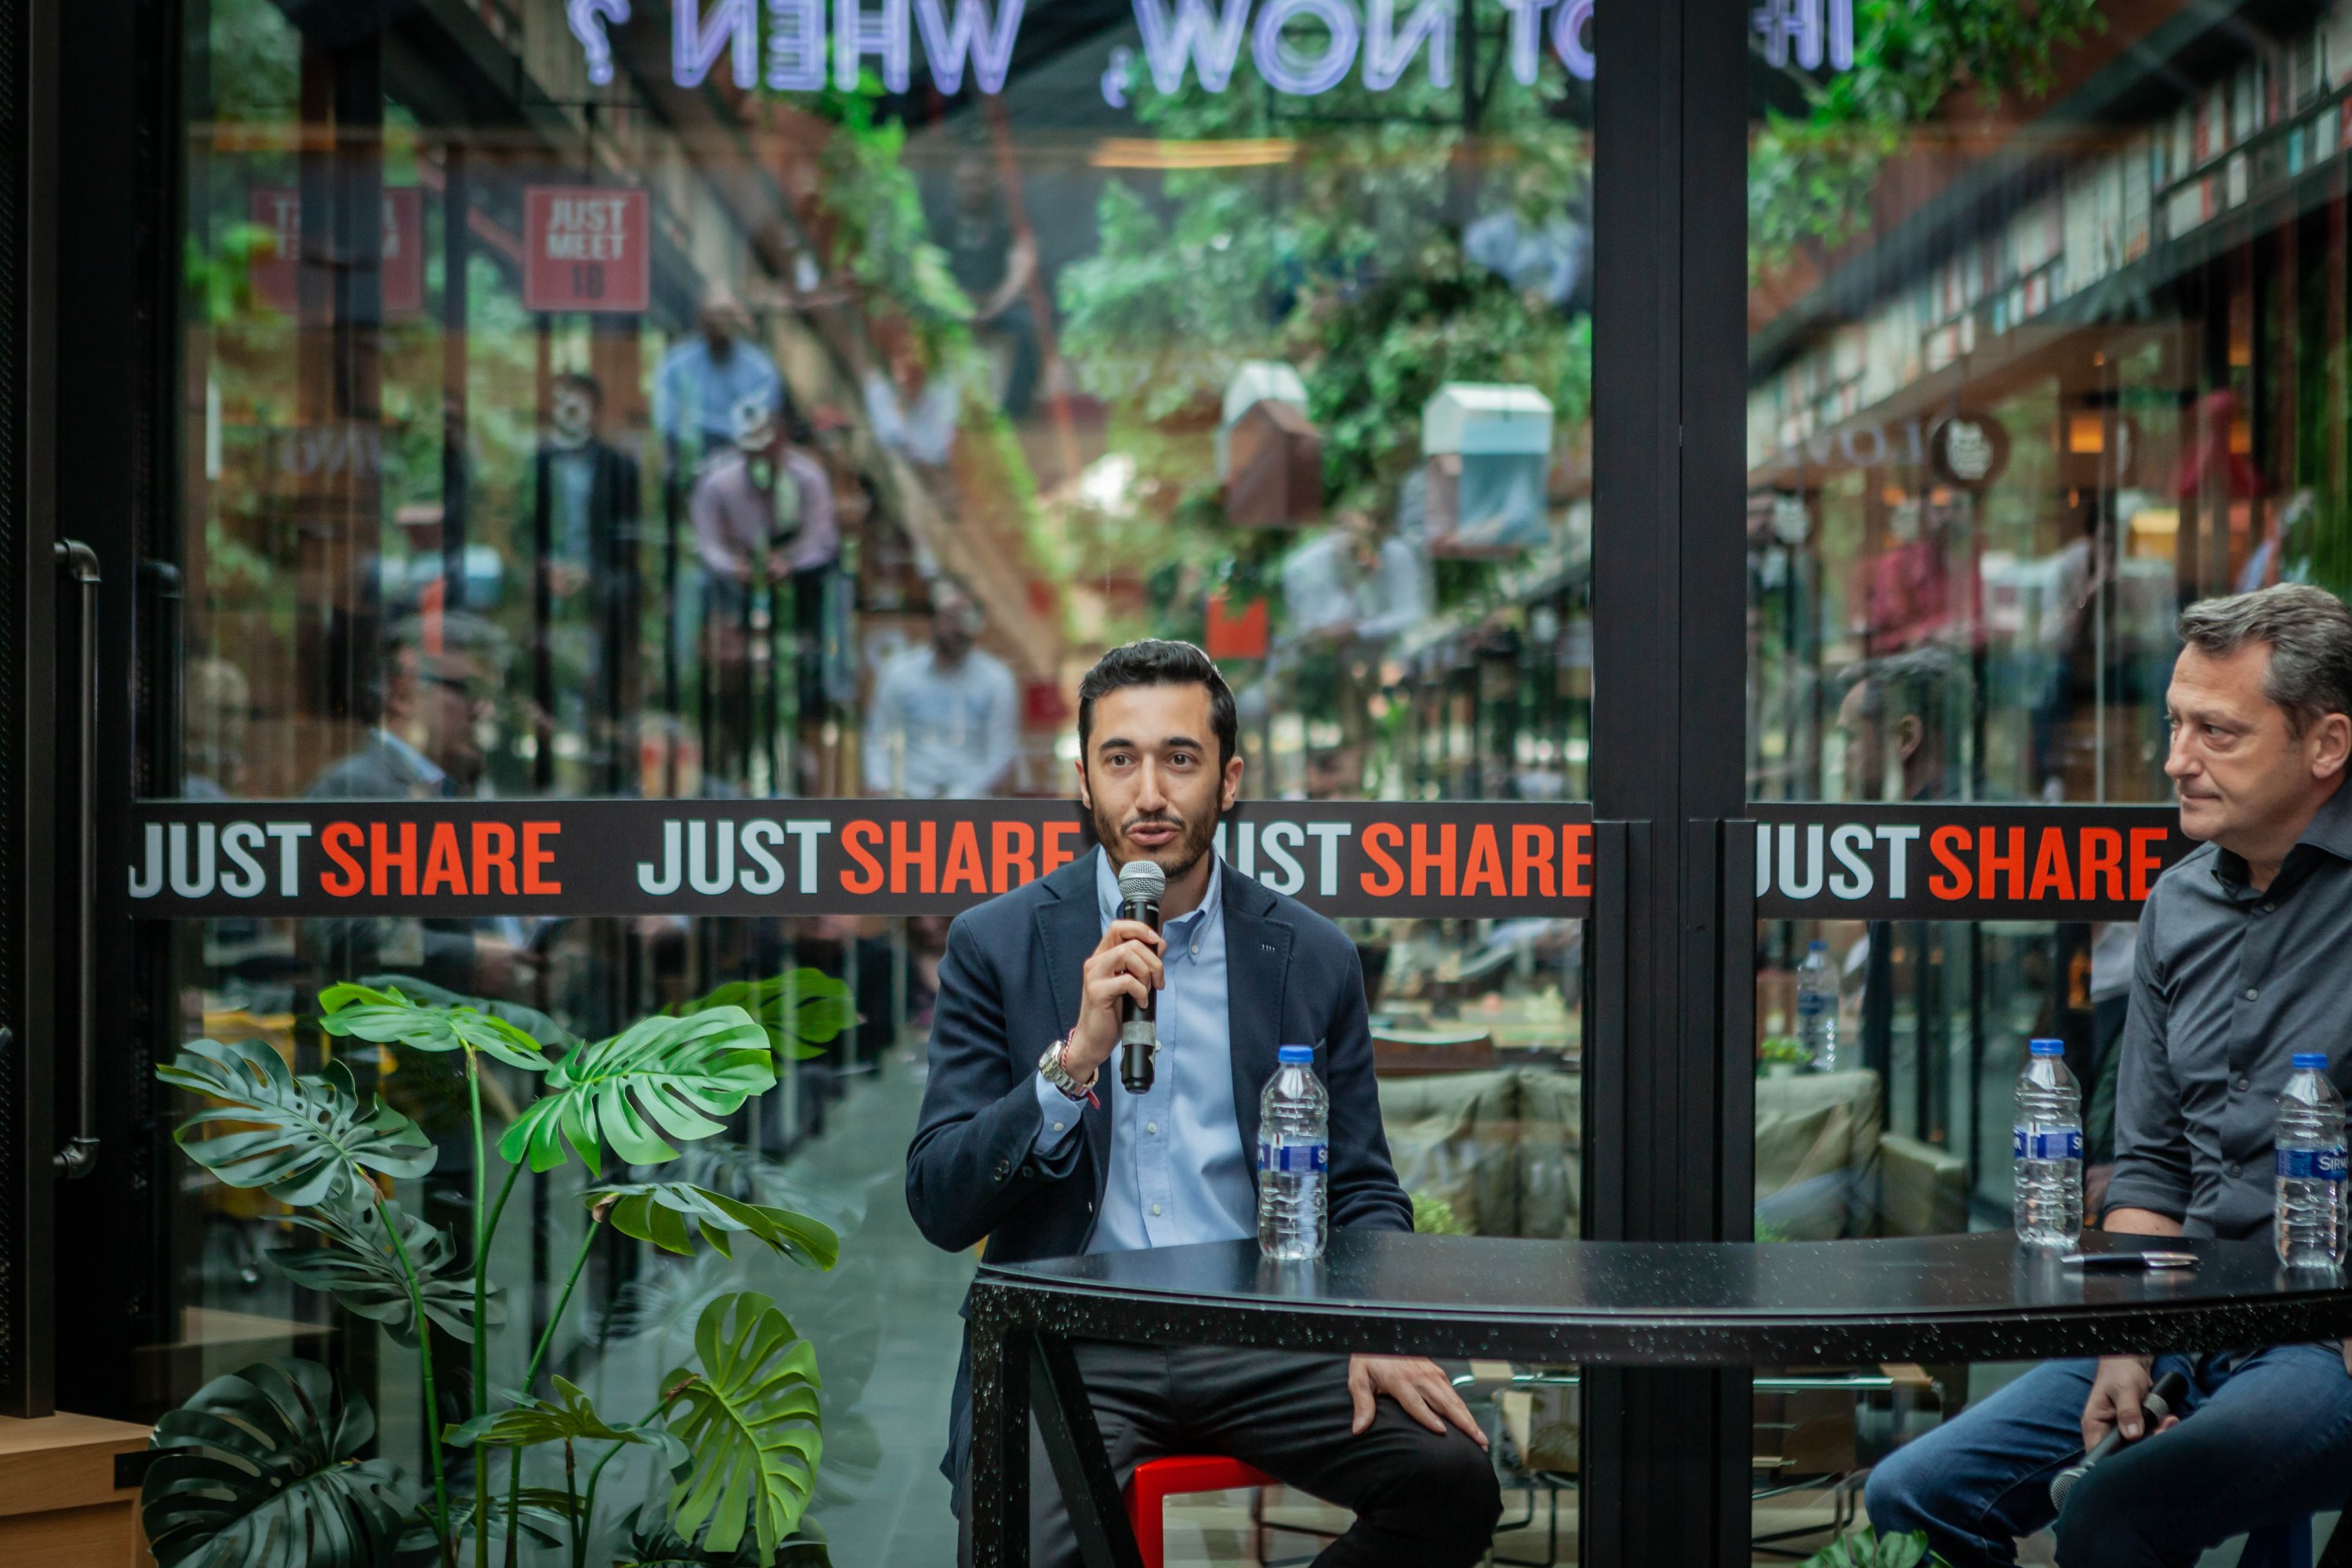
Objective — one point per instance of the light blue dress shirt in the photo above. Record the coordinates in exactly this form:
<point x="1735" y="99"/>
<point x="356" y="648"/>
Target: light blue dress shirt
<point x="695" y="394"/>
<point x="1178" y="1171"/>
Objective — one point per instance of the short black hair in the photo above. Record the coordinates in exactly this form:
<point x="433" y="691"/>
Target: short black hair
<point x="1158" y="661"/>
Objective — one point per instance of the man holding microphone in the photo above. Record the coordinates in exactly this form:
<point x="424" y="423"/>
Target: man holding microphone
<point x="2241" y="961"/>
<point x="1028" y="1139"/>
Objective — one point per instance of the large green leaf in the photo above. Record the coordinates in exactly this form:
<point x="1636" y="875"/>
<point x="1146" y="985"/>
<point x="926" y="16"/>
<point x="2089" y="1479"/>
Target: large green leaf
<point x="569" y="1418"/>
<point x="803" y="1010"/>
<point x="260" y="1469"/>
<point x="307" y="1140"/>
<point x="361" y="1270"/>
<point x="388" y="1017"/>
<point x="662" y="1075"/>
<point x="539" y="1026"/>
<point x="750" y="1418"/>
<point x="667" y="1213"/>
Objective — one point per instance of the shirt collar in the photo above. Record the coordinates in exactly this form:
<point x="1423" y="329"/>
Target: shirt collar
<point x="2328" y="832"/>
<point x="2331" y="829"/>
<point x="1107" y="889"/>
<point x="428" y="771"/>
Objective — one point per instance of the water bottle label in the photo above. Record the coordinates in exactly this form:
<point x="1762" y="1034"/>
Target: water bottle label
<point x="1303" y="1159"/>
<point x="2310" y="1164"/>
<point x="1810" y="1002"/>
<point x="2050" y="1143"/>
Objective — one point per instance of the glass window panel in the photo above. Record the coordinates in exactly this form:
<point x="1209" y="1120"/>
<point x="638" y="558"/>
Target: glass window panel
<point x="649" y="438"/>
<point x="2043" y="317"/>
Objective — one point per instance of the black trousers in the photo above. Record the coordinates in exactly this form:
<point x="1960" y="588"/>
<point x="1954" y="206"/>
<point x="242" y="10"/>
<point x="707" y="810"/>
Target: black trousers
<point x="1422" y="1499"/>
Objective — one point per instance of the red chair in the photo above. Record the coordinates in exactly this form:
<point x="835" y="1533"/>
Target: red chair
<point x="1157" y="1480"/>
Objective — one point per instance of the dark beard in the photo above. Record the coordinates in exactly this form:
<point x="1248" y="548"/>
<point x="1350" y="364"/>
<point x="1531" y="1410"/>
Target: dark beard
<point x="1178" y="858"/>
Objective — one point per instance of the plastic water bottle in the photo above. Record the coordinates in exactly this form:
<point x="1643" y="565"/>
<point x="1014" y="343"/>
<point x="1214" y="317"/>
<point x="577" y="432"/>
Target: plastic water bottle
<point x="2310" y="1164"/>
<point x="1294" y="1121"/>
<point x="2049" y="1150"/>
<point x="1817" y="1007"/>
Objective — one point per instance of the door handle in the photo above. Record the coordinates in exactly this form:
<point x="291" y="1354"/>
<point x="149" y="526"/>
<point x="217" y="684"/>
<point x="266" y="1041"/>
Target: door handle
<point x="79" y="1156"/>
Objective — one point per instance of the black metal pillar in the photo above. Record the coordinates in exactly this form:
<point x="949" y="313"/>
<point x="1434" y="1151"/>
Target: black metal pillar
<point x="1670" y="1135"/>
<point x="29" y="84"/>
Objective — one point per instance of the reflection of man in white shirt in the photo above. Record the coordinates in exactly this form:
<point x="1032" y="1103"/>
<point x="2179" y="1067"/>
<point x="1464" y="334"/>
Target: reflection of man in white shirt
<point x="946" y="719"/>
<point x="1354" y="583"/>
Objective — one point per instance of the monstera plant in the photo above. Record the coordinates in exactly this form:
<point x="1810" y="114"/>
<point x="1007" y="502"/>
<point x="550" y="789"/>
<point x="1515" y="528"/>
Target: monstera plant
<point x="267" y="1467"/>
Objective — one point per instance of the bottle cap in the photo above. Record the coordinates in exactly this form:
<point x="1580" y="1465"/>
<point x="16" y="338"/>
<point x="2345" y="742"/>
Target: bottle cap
<point x="2048" y="1048"/>
<point x="1817" y="945"/>
<point x="2316" y="1060"/>
<point x="1303" y="1055"/>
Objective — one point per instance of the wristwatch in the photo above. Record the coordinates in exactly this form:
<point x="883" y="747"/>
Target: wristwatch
<point x="1050" y="1067"/>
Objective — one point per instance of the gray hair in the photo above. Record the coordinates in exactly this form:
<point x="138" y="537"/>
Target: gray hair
<point x="1928" y="682"/>
<point x="2309" y="634"/>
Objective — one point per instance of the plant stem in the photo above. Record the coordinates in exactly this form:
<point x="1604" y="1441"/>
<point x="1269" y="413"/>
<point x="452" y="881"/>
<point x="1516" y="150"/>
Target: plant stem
<point x="481" y="1316"/>
<point x="499" y="1208"/>
<point x="596" y="1471"/>
<point x="530" y="1388"/>
<point x="424" y="1375"/>
<point x="579" y="1525"/>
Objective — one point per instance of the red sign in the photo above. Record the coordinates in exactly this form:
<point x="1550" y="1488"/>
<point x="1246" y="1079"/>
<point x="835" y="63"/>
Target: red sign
<point x="278" y="208"/>
<point x="1235" y="631"/>
<point x="586" y="248"/>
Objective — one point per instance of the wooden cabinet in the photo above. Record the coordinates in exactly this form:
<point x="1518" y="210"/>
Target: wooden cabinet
<point x="58" y="1504"/>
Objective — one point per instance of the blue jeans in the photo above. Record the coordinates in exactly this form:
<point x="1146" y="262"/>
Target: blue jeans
<point x="2266" y="1440"/>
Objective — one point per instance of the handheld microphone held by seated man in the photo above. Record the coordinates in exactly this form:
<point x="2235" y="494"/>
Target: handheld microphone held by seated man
<point x="2156" y="1407"/>
<point x="1140" y="885"/>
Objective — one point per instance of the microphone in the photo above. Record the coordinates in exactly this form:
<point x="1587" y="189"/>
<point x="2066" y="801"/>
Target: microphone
<point x="2153" y="1410"/>
<point x="1140" y="883"/>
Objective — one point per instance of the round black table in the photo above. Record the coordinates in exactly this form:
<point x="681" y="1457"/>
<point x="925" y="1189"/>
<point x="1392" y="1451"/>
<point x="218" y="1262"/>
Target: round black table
<point x="1651" y="1304"/>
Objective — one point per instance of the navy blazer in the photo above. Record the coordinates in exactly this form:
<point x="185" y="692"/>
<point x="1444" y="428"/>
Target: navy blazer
<point x="1009" y="987"/>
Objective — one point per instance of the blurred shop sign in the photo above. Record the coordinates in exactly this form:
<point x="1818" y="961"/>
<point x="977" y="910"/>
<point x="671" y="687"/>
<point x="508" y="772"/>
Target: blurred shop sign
<point x="806" y="51"/>
<point x="400" y="263"/>
<point x="586" y="248"/>
<point x="485" y="859"/>
<point x="1970" y="450"/>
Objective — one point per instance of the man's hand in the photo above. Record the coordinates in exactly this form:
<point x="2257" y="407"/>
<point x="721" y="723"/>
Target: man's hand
<point x="2117" y="1394"/>
<point x="1418" y="1386"/>
<point x="1125" y="964"/>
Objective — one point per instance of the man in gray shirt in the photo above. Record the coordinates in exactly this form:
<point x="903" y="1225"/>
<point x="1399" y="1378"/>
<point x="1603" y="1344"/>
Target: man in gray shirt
<point x="2245" y="958"/>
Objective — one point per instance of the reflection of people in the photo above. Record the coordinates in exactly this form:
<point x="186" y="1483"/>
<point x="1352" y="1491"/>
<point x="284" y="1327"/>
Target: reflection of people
<point x="946" y="718"/>
<point x="994" y="262"/>
<point x="1355" y="582"/>
<point x="1897" y="718"/>
<point x="765" y="510"/>
<point x="425" y="747"/>
<point x="220" y="705"/>
<point x="584" y="604"/>
<point x="2240" y="963"/>
<point x="704" y="377"/>
<point x="1046" y="1156"/>
<point x="912" y="407"/>
<point x="761" y="512"/>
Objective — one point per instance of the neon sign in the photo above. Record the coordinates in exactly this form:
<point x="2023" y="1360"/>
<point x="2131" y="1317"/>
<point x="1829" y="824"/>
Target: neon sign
<point x="1201" y="36"/>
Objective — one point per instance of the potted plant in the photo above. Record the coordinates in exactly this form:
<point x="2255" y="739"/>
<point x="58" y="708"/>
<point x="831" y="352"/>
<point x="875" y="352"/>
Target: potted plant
<point x="265" y="1469"/>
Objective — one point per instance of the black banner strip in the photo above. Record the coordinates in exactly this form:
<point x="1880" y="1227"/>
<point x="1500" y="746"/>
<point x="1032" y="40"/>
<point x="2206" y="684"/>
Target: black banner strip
<point x="473" y="860"/>
<point x="1445" y="860"/>
<point x="1979" y="862"/>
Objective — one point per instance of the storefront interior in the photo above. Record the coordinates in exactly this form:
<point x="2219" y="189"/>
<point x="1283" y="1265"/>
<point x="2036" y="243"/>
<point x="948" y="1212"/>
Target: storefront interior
<point x="503" y="400"/>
